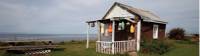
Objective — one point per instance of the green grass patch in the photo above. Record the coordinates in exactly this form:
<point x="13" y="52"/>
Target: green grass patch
<point x="181" y="48"/>
<point x="78" y="48"/>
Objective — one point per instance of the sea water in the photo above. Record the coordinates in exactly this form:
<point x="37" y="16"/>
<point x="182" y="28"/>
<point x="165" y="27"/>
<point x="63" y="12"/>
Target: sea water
<point x="53" y="37"/>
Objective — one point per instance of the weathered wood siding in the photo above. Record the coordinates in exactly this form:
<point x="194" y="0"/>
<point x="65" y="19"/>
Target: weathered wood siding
<point x="161" y="31"/>
<point x="147" y="30"/>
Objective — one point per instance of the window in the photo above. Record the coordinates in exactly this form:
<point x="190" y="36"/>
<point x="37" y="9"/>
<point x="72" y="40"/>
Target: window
<point x="155" y="31"/>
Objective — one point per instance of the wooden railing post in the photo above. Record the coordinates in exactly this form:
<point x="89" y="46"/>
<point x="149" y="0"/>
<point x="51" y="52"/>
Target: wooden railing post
<point x="113" y="36"/>
<point x="138" y="35"/>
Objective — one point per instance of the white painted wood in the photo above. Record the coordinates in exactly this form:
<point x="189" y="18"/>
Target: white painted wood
<point x="155" y="31"/>
<point x="87" y="45"/>
<point x="119" y="12"/>
<point x="138" y="35"/>
<point x="121" y="46"/>
<point x="113" y="36"/>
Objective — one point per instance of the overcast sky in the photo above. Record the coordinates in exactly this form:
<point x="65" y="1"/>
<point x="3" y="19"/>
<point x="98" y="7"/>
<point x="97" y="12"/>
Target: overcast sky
<point x="69" y="16"/>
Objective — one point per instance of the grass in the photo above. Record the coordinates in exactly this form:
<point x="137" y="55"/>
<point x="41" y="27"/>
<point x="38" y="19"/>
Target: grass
<point x="181" y="48"/>
<point x="77" y="48"/>
<point x="184" y="49"/>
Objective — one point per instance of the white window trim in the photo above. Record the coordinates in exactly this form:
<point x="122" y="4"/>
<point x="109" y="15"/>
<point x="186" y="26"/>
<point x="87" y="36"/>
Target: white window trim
<point x="155" y="31"/>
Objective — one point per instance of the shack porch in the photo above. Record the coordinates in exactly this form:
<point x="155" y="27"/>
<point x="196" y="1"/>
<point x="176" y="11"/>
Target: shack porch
<point x="115" y="37"/>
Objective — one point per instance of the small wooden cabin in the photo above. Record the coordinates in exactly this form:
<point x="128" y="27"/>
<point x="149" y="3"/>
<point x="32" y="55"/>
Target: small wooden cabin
<point x="122" y="28"/>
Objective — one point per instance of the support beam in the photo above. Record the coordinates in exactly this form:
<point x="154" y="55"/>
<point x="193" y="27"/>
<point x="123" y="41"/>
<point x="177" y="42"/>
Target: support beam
<point x="113" y="37"/>
<point x="138" y="35"/>
<point x="88" y="27"/>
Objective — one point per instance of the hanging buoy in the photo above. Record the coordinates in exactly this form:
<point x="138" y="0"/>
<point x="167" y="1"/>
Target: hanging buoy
<point x="110" y="28"/>
<point x="132" y="29"/>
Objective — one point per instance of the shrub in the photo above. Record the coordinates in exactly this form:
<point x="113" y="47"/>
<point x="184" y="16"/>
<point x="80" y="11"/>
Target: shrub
<point x="4" y="44"/>
<point x="155" y="46"/>
<point x="177" y="33"/>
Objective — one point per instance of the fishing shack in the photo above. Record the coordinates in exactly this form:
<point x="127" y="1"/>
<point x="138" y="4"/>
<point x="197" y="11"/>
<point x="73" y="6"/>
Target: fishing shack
<point x="122" y="28"/>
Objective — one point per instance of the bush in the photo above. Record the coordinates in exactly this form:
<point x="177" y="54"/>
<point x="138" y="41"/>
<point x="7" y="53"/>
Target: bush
<point x="177" y="33"/>
<point x="4" y="44"/>
<point x="155" y="46"/>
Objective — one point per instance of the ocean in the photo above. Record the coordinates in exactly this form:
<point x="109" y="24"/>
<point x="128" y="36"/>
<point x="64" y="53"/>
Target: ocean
<point x="53" y="37"/>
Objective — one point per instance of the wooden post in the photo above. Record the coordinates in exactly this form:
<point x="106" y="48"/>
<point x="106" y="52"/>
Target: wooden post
<point x="113" y="36"/>
<point x="99" y="31"/>
<point x="138" y="35"/>
<point x="88" y="27"/>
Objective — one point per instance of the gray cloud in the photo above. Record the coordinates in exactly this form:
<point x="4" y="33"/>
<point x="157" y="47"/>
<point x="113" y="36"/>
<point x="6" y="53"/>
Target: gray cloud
<point x="69" y="16"/>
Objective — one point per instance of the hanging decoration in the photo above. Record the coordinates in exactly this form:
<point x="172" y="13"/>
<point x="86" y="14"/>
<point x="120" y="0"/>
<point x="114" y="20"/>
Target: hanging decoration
<point x="110" y="28"/>
<point x="132" y="29"/>
<point x="123" y="25"/>
<point x="119" y="26"/>
<point x="102" y="28"/>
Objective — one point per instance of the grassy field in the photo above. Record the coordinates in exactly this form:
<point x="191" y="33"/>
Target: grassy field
<point x="77" y="48"/>
<point x="181" y="48"/>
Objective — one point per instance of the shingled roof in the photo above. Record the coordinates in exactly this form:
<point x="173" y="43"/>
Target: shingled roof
<point x="145" y="15"/>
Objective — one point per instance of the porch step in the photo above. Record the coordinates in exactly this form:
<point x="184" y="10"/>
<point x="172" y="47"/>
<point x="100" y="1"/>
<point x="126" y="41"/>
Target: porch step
<point x="132" y="53"/>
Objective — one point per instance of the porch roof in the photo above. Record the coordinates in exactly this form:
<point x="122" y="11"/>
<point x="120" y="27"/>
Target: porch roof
<point x="109" y="20"/>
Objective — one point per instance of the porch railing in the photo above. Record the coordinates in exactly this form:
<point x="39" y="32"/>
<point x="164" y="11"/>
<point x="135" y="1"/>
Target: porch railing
<point x="119" y="46"/>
